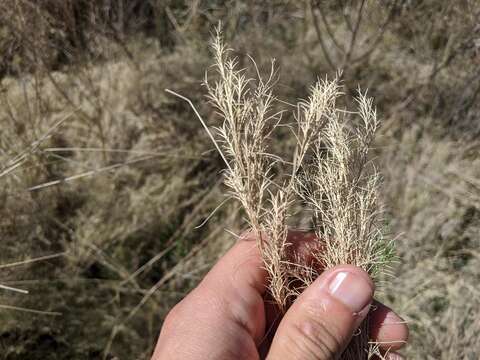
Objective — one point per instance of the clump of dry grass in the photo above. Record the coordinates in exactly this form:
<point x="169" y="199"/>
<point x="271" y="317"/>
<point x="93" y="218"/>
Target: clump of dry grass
<point x="248" y="120"/>
<point x="329" y="174"/>
<point x="342" y="192"/>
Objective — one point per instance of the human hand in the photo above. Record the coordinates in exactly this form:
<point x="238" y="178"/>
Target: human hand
<point x="226" y="316"/>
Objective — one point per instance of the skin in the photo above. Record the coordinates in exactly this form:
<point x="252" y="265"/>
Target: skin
<point x="227" y="315"/>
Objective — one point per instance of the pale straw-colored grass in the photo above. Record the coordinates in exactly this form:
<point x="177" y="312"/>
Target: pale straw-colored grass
<point x="329" y="174"/>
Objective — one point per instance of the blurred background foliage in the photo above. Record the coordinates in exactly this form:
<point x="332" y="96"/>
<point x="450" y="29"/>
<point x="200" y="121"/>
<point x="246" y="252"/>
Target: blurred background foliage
<point x="105" y="178"/>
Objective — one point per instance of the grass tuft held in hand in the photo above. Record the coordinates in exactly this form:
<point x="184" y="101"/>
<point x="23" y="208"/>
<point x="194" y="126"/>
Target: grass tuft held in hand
<point x="328" y="175"/>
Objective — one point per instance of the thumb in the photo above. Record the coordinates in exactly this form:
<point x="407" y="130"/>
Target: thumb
<point x="321" y="322"/>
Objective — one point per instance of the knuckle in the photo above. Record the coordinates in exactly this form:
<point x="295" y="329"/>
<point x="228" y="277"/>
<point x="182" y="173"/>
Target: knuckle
<point x="315" y="339"/>
<point x="173" y="317"/>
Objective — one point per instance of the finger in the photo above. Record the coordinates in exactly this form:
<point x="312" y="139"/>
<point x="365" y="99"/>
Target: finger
<point x="224" y="316"/>
<point x="239" y="280"/>
<point x="321" y="322"/>
<point x="393" y="356"/>
<point x="388" y="329"/>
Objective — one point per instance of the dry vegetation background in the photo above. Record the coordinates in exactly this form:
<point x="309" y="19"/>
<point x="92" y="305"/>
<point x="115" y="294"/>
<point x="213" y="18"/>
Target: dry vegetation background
<point x="108" y="177"/>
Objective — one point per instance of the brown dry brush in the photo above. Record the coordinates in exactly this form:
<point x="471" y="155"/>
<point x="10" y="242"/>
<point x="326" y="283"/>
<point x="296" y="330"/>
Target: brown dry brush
<point x="329" y="174"/>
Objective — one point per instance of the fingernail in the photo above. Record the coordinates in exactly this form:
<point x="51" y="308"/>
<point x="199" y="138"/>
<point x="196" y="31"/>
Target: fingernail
<point x="351" y="289"/>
